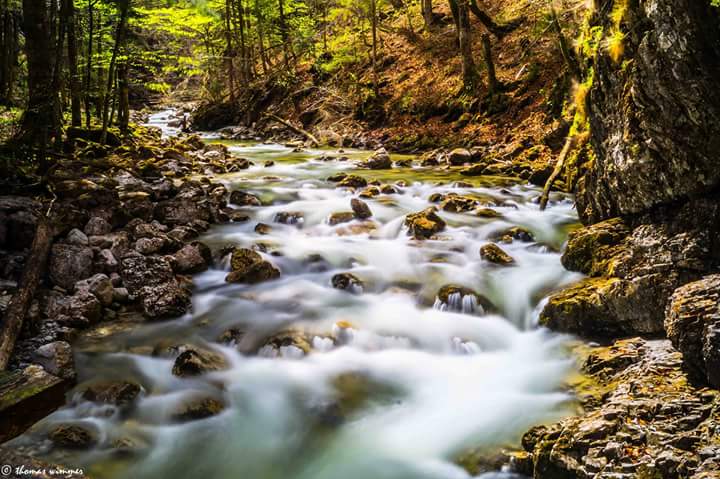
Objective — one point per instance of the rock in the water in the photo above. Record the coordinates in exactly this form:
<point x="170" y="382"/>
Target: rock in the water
<point x="452" y="297"/>
<point x="193" y="258"/>
<point x="98" y="285"/>
<point x="424" y="224"/>
<point x="360" y="208"/>
<point x="56" y="358"/>
<point x="380" y="160"/>
<point x="693" y="325"/>
<point x="495" y="254"/>
<point x="518" y="233"/>
<point x="73" y="436"/>
<point x="263" y="229"/>
<point x="290" y="217"/>
<point x="352" y="181"/>
<point x="242" y="198"/>
<point x="194" y="362"/>
<point x="200" y="408"/>
<point x="69" y="264"/>
<point x="458" y="204"/>
<point x="348" y="282"/>
<point x="120" y="393"/>
<point x="459" y="156"/>
<point x="166" y="300"/>
<point x="248" y="266"/>
<point x="340" y="217"/>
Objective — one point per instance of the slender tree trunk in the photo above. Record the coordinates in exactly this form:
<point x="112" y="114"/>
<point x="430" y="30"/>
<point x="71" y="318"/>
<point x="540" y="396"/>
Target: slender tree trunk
<point x="373" y="14"/>
<point x="261" y="37"/>
<point x="469" y="70"/>
<point x="123" y="97"/>
<point x="88" y="66"/>
<point x="76" y="118"/>
<point x="40" y="123"/>
<point x="119" y="33"/>
<point x="229" y="52"/>
<point x="8" y="52"/>
<point x="284" y="34"/>
<point x="493" y="84"/>
<point x="427" y="13"/>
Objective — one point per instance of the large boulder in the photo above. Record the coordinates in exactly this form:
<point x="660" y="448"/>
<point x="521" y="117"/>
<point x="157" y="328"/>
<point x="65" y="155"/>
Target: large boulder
<point x="459" y="156"/>
<point x="634" y="270"/>
<point x="653" y="107"/>
<point x="69" y="263"/>
<point x="693" y="325"/>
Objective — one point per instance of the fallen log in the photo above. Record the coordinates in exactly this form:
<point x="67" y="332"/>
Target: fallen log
<point x="294" y="128"/>
<point x="20" y="303"/>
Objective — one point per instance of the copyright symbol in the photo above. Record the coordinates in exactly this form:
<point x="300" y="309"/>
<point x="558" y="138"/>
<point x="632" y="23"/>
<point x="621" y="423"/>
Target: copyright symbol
<point x="5" y="469"/>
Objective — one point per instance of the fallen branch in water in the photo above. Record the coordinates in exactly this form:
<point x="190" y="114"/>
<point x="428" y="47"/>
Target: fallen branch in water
<point x="559" y="165"/>
<point x="294" y="128"/>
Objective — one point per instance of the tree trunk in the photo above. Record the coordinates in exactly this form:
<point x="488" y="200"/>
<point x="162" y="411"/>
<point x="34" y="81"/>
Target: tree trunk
<point x="427" y="13"/>
<point x="284" y="34"/>
<point x="123" y="97"/>
<point x="469" y="70"/>
<point x="40" y="123"/>
<point x="8" y="52"/>
<point x="373" y="14"/>
<point x="119" y="32"/>
<point x="88" y="66"/>
<point x="229" y="52"/>
<point x="493" y="84"/>
<point x="76" y="117"/>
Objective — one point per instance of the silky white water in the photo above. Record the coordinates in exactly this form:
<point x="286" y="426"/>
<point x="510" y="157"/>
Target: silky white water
<point x="441" y="382"/>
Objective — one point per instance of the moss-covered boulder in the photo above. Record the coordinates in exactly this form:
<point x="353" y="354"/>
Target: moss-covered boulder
<point x="424" y="224"/>
<point x="495" y="254"/>
<point x="248" y="266"/>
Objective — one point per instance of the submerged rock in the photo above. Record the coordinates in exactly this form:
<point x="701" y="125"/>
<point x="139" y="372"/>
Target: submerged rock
<point x="348" y="282"/>
<point x="194" y="362"/>
<point x="424" y="224"/>
<point x="120" y="393"/>
<point x="495" y="254"/>
<point x="242" y="198"/>
<point x="73" y="436"/>
<point x="458" y="204"/>
<point x="199" y="408"/>
<point x="290" y="217"/>
<point x="340" y="217"/>
<point x="248" y="266"/>
<point x="460" y="299"/>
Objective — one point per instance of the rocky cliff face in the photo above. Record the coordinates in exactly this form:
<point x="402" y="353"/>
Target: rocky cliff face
<point x="651" y="249"/>
<point x="654" y="106"/>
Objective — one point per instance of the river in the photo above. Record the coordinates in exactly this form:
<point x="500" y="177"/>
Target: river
<point x="395" y="385"/>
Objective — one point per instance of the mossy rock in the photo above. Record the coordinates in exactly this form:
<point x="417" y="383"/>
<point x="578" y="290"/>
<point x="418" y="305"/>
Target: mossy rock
<point x="495" y="254"/>
<point x="593" y="249"/>
<point x="424" y="224"/>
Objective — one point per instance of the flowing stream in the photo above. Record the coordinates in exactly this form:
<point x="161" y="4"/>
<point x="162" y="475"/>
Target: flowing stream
<point x="396" y="385"/>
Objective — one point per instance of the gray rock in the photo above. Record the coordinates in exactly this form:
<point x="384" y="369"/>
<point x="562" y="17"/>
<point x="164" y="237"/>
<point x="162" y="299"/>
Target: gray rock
<point x="360" y="208"/>
<point x="193" y="258"/>
<point x="69" y="264"/>
<point x="56" y="358"/>
<point x="97" y="226"/>
<point x="99" y="285"/>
